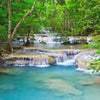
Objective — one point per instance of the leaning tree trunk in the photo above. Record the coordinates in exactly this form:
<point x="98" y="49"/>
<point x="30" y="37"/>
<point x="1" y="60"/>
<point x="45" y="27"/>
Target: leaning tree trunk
<point x="23" y="18"/>
<point x="10" y="37"/>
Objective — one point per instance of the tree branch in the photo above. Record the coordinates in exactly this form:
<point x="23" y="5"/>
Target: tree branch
<point x="19" y="23"/>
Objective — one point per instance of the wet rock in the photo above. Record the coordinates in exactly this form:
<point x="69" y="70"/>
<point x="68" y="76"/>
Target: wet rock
<point x="83" y="61"/>
<point x="5" y="71"/>
<point x="17" y="46"/>
<point x="52" y="60"/>
<point x="19" y="37"/>
<point x="90" y="82"/>
<point x="86" y="82"/>
<point x="26" y="60"/>
<point x="61" y="86"/>
<point x="1" y="61"/>
<point x="46" y="57"/>
<point x="97" y="81"/>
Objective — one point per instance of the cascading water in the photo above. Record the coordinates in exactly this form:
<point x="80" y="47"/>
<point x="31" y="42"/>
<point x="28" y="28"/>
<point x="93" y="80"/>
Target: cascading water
<point x="58" y="59"/>
<point x="65" y="57"/>
<point x="31" y="62"/>
<point x="61" y="58"/>
<point x="44" y="63"/>
<point x="66" y="61"/>
<point x="26" y="62"/>
<point x="52" y="57"/>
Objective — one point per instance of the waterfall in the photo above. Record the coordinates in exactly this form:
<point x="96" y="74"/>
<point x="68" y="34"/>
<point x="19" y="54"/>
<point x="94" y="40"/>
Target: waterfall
<point x="26" y="61"/>
<point x="62" y="58"/>
<point x="66" y="61"/>
<point x="65" y="57"/>
<point x="44" y="63"/>
<point x="31" y="62"/>
<point x="19" y="62"/>
<point x="58" y="59"/>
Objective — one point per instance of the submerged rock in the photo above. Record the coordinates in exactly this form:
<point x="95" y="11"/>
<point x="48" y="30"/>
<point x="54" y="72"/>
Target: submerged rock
<point x="5" y="71"/>
<point x="90" y="82"/>
<point x="86" y="82"/>
<point x="97" y="81"/>
<point x="61" y="86"/>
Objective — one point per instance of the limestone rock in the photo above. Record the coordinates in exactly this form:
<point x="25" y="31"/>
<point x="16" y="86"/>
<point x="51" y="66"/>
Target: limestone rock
<point x="52" y="60"/>
<point x="86" y="82"/>
<point x="61" y="86"/>
<point x="5" y="71"/>
<point x="97" y="80"/>
<point x="83" y="62"/>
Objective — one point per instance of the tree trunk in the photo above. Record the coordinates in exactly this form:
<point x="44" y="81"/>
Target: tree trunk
<point x="9" y="17"/>
<point x="9" y="42"/>
<point x="27" y="43"/>
<point x="10" y="37"/>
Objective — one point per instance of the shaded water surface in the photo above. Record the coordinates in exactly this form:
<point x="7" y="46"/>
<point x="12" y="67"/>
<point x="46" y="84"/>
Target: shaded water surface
<point x="51" y="83"/>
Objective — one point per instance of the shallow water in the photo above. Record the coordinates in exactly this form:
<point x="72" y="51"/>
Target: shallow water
<point x="51" y="83"/>
<point x="57" y="46"/>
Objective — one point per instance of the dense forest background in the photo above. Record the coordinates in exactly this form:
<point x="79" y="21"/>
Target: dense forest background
<point x="67" y="17"/>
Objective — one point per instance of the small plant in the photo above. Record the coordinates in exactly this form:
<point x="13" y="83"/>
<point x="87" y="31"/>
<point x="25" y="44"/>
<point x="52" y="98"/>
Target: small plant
<point x="95" y="65"/>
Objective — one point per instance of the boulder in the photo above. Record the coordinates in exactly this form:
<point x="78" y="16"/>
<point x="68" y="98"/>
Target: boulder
<point x="52" y="60"/>
<point x="83" y="61"/>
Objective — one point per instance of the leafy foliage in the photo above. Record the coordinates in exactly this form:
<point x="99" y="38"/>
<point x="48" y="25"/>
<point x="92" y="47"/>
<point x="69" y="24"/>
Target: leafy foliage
<point x="67" y="17"/>
<point x="95" y="65"/>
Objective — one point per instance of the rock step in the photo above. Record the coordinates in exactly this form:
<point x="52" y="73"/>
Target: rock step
<point x="67" y="51"/>
<point x="47" y="58"/>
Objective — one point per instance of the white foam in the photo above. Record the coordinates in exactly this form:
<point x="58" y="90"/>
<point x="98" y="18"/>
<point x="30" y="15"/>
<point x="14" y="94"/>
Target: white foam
<point x="42" y="66"/>
<point x="68" y="62"/>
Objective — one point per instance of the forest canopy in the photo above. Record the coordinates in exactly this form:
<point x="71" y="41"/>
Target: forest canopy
<point x="66" y="17"/>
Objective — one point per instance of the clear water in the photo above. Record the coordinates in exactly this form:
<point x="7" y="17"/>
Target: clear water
<point x="51" y="83"/>
<point x="57" y="46"/>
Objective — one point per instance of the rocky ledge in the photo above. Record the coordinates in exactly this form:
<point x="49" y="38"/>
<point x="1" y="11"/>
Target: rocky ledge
<point x="83" y="61"/>
<point x="48" y="57"/>
<point x="85" y="58"/>
<point x="34" y="57"/>
<point x="31" y="60"/>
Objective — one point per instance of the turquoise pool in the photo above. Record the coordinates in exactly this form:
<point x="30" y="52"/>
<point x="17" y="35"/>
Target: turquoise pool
<point x="51" y="83"/>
